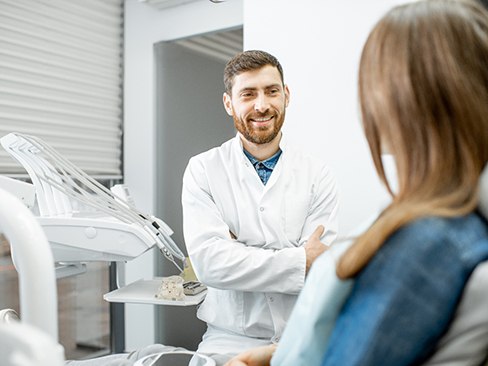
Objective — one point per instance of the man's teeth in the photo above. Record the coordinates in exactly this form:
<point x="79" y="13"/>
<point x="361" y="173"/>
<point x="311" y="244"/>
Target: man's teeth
<point x="264" y="119"/>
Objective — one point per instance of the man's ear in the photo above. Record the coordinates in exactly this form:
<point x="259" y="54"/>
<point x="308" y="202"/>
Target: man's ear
<point x="228" y="104"/>
<point x="287" y="96"/>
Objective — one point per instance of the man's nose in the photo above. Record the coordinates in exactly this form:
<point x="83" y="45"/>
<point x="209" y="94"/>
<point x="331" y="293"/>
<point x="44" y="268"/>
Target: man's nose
<point x="261" y="104"/>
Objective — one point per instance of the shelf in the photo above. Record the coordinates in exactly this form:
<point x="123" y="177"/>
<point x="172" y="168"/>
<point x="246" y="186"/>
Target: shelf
<point x="144" y="291"/>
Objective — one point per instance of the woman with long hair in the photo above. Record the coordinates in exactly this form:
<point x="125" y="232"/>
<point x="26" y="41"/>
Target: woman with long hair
<point x="423" y="87"/>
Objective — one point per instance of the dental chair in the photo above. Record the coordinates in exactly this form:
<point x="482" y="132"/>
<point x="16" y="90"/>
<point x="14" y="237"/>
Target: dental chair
<point x="466" y="342"/>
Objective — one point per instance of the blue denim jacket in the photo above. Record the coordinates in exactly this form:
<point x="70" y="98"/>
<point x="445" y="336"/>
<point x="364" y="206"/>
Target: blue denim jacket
<point x="404" y="299"/>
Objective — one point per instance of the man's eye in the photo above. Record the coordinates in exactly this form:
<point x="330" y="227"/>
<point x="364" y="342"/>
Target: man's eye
<point x="246" y="95"/>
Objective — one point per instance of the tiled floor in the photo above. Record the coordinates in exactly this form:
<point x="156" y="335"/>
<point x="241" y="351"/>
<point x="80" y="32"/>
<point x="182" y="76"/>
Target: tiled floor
<point x="84" y="318"/>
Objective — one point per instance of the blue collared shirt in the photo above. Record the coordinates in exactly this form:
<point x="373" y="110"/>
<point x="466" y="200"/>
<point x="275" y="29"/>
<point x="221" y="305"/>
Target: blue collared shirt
<point x="264" y="168"/>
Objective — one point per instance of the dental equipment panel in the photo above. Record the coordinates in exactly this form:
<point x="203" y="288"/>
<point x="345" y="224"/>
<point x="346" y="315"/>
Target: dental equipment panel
<point x="23" y="191"/>
<point x="82" y="219"/>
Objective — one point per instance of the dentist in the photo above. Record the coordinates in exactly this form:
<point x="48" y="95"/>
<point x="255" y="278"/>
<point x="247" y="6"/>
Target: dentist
<point x="257" y="212"/>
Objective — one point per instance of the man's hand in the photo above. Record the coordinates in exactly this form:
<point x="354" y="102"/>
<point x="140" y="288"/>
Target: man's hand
<point x="314" y="247"/>
<point x="259" y="356"/>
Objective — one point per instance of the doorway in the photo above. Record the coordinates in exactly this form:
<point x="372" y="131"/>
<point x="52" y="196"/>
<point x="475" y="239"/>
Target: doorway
<point x="190" y="119"/>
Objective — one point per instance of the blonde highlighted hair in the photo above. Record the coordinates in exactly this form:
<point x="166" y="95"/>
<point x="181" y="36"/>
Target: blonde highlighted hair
<point x="423" y="89"/>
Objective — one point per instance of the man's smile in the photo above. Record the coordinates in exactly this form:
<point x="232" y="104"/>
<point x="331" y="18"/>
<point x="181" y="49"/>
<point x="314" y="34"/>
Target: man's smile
<point x="261" y="121"/>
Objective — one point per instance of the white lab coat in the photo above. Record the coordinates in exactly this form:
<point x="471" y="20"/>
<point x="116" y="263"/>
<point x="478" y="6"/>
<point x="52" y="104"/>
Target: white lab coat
<point x="253" y="280"/>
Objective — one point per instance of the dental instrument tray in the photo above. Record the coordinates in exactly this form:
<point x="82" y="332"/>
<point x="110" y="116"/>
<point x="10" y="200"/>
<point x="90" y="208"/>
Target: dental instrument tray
<point x="143" y="292"/>
<point x="83" y="220"/>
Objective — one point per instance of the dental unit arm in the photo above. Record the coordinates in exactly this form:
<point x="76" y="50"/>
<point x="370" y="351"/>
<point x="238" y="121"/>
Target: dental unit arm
<point x="108" y="229"/>
<point x="33" y="341"/>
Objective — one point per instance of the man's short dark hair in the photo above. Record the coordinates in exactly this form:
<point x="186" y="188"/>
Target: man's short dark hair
<point x="248" y="61"/>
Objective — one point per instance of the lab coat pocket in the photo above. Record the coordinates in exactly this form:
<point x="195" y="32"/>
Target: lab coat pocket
<point x="223" y="309"/>
<point x="295" y="211"/>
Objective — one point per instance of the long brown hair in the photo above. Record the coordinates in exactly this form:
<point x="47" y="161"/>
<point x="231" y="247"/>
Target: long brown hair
<point x="423" y="89"/>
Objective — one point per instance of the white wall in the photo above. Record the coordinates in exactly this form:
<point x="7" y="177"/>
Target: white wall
<point x="143" y="28"/>
<point x="319" y="44"/>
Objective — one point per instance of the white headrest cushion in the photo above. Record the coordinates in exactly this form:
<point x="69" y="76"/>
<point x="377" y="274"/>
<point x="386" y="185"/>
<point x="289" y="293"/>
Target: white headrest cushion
<point x="483" y="204"/>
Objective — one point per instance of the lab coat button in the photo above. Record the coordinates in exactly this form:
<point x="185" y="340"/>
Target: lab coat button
<point x="271" y="299"/>
<point x="261" y="209"/>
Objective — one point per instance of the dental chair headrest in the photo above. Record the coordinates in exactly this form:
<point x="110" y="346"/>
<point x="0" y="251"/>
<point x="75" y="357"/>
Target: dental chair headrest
<point x="483" y="204"/>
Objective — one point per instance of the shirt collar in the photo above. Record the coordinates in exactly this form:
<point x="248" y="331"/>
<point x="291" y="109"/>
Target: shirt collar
<point x="269" y="163"/>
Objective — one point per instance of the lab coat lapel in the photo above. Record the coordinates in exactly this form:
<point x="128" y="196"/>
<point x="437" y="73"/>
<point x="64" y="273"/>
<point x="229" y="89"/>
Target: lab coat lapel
<point x="247" y="174"/>
<point x="277" y="171"/>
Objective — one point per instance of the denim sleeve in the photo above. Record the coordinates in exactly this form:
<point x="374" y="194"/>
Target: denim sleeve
<point x="402" y="302"/>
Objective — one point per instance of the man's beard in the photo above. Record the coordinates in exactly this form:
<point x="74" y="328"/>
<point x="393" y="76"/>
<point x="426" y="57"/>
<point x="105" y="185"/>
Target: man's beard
<point x="259" y="135"/>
